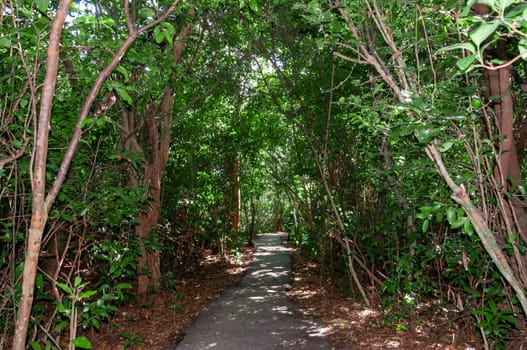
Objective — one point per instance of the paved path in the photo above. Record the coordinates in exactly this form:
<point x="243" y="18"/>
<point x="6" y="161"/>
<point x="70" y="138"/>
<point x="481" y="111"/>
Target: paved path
<point x="256" y="314"/>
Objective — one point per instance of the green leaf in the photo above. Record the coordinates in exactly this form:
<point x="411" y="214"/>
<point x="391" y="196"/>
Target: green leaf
<point x="426" y="135"/>
<point x="465" y="64"/>
<point x="467" y="227"/>
<point x="77" y="281"/>
<point x="445" y="146"/>
<point x="169" y="28"/>
<point x="66" y="217"/>
<point x="95" y="323"/>
<point x="486" y="29"/>
<point x="313" y="6"/>
<point x="147" y="12"/>
<point x="123" y="286"/>
<point x="253" y="5"/>
<point x="169" y="38"/>
<point x="82" y="342"/>
<point x="450" y="215"/>
<point x="123" y="94"/>
<point x="87" y="294"/>
<point x="34" y="345"/>
<point x="61" y="308"/>
<point x="42" y="5"/>
<point x="460" y="221"/>
<point x="509" y="319"/>
<point x="65" y="288"/>
<point x="522" y="48"/>
<point x="124" y="72"/>
<point x="159" y="36"/>
<point x="467" y="46"/>
<point x="18" y="144"/>
<point x="61" y="325"/>
<point x="503" y="4"/>
<point x="87" y="121"/>
<point x="5" y="42"/>
<point x="426" y="223"/>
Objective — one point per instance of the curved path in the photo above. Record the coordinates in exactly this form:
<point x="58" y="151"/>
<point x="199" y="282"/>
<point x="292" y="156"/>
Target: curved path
<point x="257" y="314"/>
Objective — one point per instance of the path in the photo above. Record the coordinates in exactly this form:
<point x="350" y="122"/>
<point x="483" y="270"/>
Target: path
<point x="257" y="314"/>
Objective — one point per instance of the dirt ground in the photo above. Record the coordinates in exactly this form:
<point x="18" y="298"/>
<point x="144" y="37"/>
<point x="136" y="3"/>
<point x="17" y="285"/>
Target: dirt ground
<point x="355" y="326"/>
<point x="161" y="322"/>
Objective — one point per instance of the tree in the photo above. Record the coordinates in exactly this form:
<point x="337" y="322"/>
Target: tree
<point x="42" y="203"/>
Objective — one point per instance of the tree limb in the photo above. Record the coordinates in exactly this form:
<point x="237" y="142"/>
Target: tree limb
<point x="477" y="219"/>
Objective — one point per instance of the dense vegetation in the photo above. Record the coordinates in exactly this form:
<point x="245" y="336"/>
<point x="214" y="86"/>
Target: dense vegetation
<point x="386" y="137"/>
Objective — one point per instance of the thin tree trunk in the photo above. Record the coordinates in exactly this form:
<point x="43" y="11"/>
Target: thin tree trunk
<point x="40" y="209"/>
<point x="233" y="199"/>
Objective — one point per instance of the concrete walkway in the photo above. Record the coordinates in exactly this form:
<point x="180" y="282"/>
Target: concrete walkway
<point x="256" y="314"/>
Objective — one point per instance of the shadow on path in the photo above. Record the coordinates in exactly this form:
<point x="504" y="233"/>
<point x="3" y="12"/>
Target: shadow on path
<point x="257" y="313"/>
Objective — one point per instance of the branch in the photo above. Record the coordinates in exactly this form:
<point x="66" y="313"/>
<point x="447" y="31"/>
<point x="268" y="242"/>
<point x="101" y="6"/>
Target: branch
<point x="14" y="156"/>
<point x="477" y="219"/>
<point x="349" y="59"/>
<point x="197" y="99"/>
<point x="105" y="73"/>
<point x="504" y="65"/>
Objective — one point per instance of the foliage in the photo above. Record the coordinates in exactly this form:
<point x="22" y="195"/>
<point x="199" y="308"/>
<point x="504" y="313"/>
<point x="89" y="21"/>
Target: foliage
<point x="328" y="150"/>
<point x="76" y="308"/>
<point x="508" y="19"/>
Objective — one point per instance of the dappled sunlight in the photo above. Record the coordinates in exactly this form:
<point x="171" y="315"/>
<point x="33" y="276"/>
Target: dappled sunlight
<point x="269" y="273"/>
<point x="368" y="313"/>
<point x="265" y="250"/>
<point x="235" y="270"/>
<point x="352" y="325"/>
<point x="258" y="311"/>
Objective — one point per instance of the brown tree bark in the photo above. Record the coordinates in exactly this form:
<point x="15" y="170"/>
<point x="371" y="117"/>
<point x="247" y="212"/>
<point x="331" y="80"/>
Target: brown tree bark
<point x="40" y="209"/>
<point x="507" y="172"/>
<point x="157" y="126"/>
<point x="233" y="168"/>
<point x="159" y="141"/>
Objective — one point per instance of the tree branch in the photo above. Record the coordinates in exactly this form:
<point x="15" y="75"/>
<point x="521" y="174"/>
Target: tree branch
<point x="105" y="73"/>
<point x="477" y="219"/>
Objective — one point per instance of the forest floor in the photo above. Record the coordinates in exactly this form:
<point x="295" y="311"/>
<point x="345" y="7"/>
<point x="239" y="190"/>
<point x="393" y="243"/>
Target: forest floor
<point x="160" y="323"/>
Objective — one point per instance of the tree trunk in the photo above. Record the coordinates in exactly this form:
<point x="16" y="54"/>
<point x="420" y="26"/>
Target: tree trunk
<point x="158" y="135"/>
<point x="40" y="208"/>
<point x="507" y="173"/>
<point x="234" y="197"/>
<point x="156" y="128"/>
<point x="148" y="265"/>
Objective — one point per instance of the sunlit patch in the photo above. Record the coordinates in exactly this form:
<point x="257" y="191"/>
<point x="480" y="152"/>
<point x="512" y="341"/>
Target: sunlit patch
<point x="282" y="310"/>
<point x="368" y="313"/>
<point x="304" y="294"/>
<point x="321" y="332"/>
<point x="235" y="270"/>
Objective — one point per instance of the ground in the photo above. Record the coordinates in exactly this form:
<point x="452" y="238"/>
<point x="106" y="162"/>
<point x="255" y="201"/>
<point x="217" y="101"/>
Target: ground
<point x="161" y="323"/>
<point x="355" y="326"/>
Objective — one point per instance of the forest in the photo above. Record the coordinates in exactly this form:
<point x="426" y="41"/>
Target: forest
<point x="139" y="138"/>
